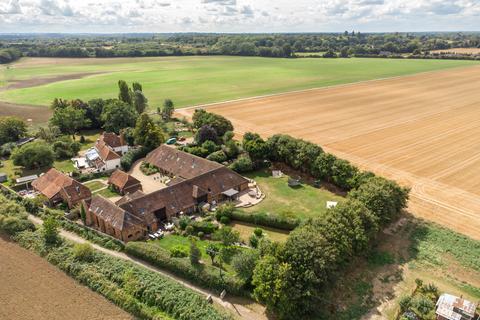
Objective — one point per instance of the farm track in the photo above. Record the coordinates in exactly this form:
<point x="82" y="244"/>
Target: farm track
<point x="420" y="130"/>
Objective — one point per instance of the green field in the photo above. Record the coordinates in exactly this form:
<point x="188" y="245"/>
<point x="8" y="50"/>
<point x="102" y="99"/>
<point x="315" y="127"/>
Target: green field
<point x="196" y="80"/>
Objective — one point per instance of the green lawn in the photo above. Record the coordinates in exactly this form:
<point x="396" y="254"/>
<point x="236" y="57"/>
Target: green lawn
<point x="246" y="230"/>
<point x="304" y="201"/>
<point x="94" y="185"/>
<point x="90" y="136"/>
<point x="170" y="241"/>
<point x="14" y="171"/>
<point x="196" y="80"/>
<point x="107" y="193"/>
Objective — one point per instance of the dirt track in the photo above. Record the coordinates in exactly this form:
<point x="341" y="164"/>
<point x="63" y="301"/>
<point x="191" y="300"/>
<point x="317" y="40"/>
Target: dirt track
<point x="31" y="288"/>
<point x="422" y="130"/>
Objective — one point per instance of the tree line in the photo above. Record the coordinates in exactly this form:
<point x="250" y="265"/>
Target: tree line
<point x="265" y="45"/>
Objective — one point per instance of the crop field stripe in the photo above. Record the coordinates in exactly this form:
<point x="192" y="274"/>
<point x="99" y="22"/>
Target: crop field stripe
<point x="420" y="130"/>
<point x="191" y="81"/>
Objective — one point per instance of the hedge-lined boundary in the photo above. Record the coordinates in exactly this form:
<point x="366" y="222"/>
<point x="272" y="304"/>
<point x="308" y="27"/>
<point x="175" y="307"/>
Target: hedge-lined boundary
<point x="144" y="293"/>
<point x="204" y="277"/>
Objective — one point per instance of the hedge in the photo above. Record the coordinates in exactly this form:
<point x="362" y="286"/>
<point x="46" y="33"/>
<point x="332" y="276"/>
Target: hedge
<point x="266" y="220"/>
<point x="92" y="235"/>
<point x="144" y="293"/>
<point x="205" y="277"/>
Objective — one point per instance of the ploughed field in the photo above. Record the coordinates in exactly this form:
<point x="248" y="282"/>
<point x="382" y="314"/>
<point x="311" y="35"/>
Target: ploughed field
<point x="31" y="288"/>
<point x="421" y="130"/>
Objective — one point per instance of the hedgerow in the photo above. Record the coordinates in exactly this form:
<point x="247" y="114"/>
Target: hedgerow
<point x="144" y="293"/>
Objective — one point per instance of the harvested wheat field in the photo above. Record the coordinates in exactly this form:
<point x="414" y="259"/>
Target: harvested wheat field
<point x="31" y="288"/>
<point x="458" y="51"/>
<point x="421" y="130"/>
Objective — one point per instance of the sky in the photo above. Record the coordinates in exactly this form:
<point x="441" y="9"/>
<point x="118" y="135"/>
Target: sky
<point x="119" y="16"/>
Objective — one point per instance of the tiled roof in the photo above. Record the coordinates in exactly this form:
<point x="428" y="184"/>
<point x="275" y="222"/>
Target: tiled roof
<point x="122" y="179"/>
<point x="105" y="152"/>
<point x="129" y="197"/>
<point x="180" y="163"/>
<point x="113" y="214"/>
<point x="54" y="182"/>
<point x="182" y="195"/>
<point x="112" y="140"/>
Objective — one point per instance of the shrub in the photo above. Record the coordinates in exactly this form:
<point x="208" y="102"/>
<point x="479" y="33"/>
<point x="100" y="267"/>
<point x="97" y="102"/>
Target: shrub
<point x="224" y="219"/>
<point x="189" y="229"/>
<point x="227" y="235"/>
<point x="50" y="230"/>
<point x="200" y="234"/>
<point x="183" y="222"/>
<point x="217" y="156"/>
<point x="195" y="253"/>
<point x="242" y="164"/>
<point x="178" y="252"/>
<point x="14" y="225"/>
<point x="83" y="252"/>
<point x="225" y="209"/>
<point x="404" y="303"/>
<point x="244" y="263"/>
<point x="258" y="232"/>
<point x="206" y="227"/>
<point x="253" y="241"/>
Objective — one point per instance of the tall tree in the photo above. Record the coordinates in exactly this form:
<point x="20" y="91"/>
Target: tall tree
<point x="137" y="86"/>
<point x="11" y="129"/>
<point x="125" y="92"/>
<point x="69" y="119"/>
<point x="117" y="115"/>
<point x="140" y="102"/>
<point x="168" y="109"/>
<point x="146" y="133"/>
<point x="33" y="155"/>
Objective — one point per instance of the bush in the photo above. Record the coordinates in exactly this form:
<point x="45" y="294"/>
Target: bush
<point x="189" y="229"/>
<point x="258" y="232"/>
<point x="14" y="225"/>
<point x="404" y="303"/>
<point x="206" y="227"/>
<point x="253" y="241"/>
<point x="183" y="222"/>
<point x="83" y="252"/>
<point x="200" y="234"/>
<point x="206" y="277"/>
<point x="242" y="164"/>
<point x="195" y="253"/>
<point x="224" y="219"/>
<point x="225" y="209"/>
<point x="178" y="252"/>
<point x="217" y="156"/>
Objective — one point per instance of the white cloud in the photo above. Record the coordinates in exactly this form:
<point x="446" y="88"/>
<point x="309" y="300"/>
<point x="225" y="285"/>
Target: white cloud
<point x="237" y="15"/>
<point x="53" y="8"/>
<point x="13" y="7"/>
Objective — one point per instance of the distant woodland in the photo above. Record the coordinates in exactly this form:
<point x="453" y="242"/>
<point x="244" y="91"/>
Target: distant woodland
<point x="331" y="45"/>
